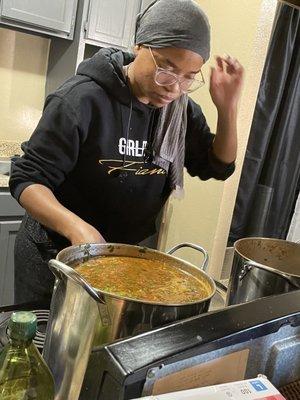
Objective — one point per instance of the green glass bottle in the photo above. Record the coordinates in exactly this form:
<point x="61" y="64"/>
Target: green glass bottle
<point x="24" y="374"/>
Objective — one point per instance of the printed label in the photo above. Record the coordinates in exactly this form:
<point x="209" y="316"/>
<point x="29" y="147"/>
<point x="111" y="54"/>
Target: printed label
<point x="258" y="385"/>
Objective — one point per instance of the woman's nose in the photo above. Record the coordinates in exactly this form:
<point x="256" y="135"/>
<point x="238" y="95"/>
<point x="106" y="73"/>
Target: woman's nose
<point x="175" y="88"/>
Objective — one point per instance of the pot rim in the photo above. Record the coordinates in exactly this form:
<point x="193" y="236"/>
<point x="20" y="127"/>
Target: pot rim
<point x="141" y="249"/>
<point x="264" y="266"/>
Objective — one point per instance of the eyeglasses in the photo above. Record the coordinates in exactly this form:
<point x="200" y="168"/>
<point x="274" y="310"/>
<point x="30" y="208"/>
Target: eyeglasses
<point x="163" y="77"/>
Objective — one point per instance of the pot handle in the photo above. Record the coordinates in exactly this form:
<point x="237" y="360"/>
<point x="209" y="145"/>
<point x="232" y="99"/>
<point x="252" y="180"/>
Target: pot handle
<point x="195" y="247"/>
<point x="248" y="265"/>
<point x="220" y="286"/>
<point x="60" y="269"/>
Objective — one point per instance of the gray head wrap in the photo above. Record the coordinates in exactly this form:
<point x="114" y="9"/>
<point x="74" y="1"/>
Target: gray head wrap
<point x="174" y="23"/>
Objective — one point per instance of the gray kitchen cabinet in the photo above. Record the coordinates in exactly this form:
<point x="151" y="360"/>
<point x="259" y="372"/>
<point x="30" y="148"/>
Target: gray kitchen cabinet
<point x="111" y="22"/>
<point x="8" y="232"/>
<point x="55" y="16"/>
<point x="11" y="214"/>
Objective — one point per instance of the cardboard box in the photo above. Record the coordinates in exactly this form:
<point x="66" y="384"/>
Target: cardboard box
<point x="252" y="389"/>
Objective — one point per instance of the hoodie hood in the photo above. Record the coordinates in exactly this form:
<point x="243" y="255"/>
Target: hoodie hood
<point x="106" y="69"/>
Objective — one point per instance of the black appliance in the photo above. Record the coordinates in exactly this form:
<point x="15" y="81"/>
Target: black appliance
<point x="268" y="329"/>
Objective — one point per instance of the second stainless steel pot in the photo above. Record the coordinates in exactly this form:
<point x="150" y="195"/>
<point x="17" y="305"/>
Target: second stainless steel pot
<point x="263" y="267"/>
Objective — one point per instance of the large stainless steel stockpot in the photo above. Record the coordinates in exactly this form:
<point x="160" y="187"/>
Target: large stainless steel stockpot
<point x="263" y="267"/>
<point x="82" y="317"/>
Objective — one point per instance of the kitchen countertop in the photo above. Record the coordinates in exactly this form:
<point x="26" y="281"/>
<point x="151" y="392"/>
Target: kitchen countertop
<point x="8" y="148"/>
<point x="4" y="181"/>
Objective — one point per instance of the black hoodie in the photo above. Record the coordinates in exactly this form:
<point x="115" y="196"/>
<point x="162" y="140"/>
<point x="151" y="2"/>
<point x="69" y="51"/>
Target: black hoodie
<point x="90" y="152"/>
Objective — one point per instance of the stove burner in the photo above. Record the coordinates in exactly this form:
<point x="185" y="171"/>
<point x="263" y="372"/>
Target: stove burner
<point x="42" y="319"/>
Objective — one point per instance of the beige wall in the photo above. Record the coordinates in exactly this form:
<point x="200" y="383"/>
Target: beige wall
<point x="23" y="67"/>
<point x="241" y="29"/>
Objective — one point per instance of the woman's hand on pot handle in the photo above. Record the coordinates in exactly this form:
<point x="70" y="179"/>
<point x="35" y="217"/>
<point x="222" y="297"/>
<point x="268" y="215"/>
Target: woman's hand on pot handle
<point x="41" y="204"/>
<point x="85" y="233"/>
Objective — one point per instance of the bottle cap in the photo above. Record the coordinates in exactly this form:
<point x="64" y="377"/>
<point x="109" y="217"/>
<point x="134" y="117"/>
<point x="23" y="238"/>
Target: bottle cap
<point x="22" y="325"/>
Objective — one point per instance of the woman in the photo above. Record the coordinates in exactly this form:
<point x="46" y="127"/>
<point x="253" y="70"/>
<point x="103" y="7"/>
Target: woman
<point x="113" y="140"/>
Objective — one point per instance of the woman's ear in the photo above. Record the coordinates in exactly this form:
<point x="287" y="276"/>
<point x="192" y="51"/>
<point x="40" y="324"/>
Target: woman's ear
<point x="136" y="49"/>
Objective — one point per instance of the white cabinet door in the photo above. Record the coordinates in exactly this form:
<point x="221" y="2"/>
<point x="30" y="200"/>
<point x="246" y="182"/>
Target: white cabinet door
<point x="145" y="4"/>
<point x="112" y="22"/>
<point x="57" y="15"/>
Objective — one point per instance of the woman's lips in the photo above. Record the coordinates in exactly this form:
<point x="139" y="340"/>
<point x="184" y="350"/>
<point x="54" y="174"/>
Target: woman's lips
<point x="166" y="99"/>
